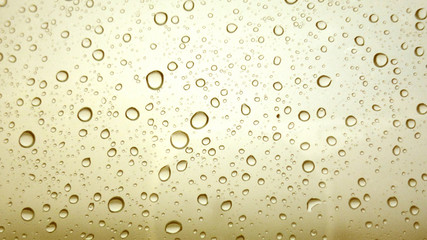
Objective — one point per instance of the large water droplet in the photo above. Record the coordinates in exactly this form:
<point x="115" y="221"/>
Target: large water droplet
<point x="202" y="199"/>
<point x="62" y="76"/>
<point x="27" y="214"/>
<point x="380" y="60"/>
<point x="179" y="139"/>
<point x="245" y="109"/>
<point x="354" y="202"/>
<point x="181" y="165"/>
<point x="308" y="166"/>
<point x="251" y="160"/>
<point x="199" y="120"/>
<point x="27" y="139"/>
<point x="160" y="18"/>
<point x="51" y="227"/>
<point x="392" y="202"/>
<point x="116" y="204"/>
<point x="84" y="114"/>
<point x="304" y="116"/>
<point x="173" y="227"/>
<point x="165" y="173"/>
<point x="226" y="205"/>
<point x="132" y="114"/>
<point x="324" y="81"/>
<point x="350" y="121"/>
<point x="155" y="80"/>
<point x="312" y="203"/>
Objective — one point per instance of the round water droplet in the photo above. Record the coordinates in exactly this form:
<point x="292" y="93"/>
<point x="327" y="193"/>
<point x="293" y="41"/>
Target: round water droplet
<point x="308" y="166"/>
<point x="380" y="60"/>
<point x="245" y="109"/>
<point x="226" y="205"/>
<point x="290" y="2"/>
<point x="181" y="165"/>
<point x="350" y="121"/>
<point x="27" y="214"/>
<point x="324" y="81"/>
<point x="116" y="204"/>
<point x="199" y="120"/>
<point x="359" y="40"/>
<point x="132" y="114"/>
<point x="331" y="140"/>
<point x="173" y="227"/>
<point x="27" y="139"/>
<point x="188" y="5"/>
<point x="304" y="116"/>
<point x="422" y="108"/>
<point x="414" y="210"/>
<point x="179" y="139"/>
<point x="392" y="202"/>
<point x="155" y="80"/>
<point x="321" y="25"/>
<point x="86" y="162"/>
<point x="251" y="160"/>
<point x="84" y="114"/>
<point x="312" y="203"/>
<point x="202" y="199"/>
<point x="231" y="27"/>
<point x="396" y="150"/>
<point x="354" y="202"/>
<point x="62" y="76"/>
<point x="51" y="227"/>
<point x="98" y="54"/>
<point x="160" y="18"/>
<point x="165" y="173"/>
<point x="278" y="30"/>
<point x="361" y="182"/>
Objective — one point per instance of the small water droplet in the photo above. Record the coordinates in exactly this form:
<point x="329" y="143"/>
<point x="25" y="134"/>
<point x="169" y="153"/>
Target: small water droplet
<point x="324" y="81"/>
<point x="164" y="173"/>
<point x="173" y="227"/>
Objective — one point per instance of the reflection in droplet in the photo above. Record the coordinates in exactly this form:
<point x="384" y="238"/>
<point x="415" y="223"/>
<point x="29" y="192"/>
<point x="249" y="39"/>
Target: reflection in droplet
<point x="164" y="173"/>
<point x="173" y="227"/>
<point x="27" y="139"/>
<point x="199" y="120"/>
<point x="116" y="204"/>
<point x="179" y="139"/>
<point x="155" y="80"/>
<point x="27" y="214"/>
<point x="84" y="114"/>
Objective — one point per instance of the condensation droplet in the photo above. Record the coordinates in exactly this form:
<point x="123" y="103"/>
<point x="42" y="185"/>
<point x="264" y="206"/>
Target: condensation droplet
<point x="181" y="165"/>
<point x="173" y="227"/>
<point x="324" y="81"/>
<point x="392" y="202"/>
<point x="116" y="204"/>
<point x="251" y="160"/>
<point x="27" y="214"/>
<point x="132" y="114"/>
<point x="304" y="116"/>
<point x="155" y="80"/>
<point x="160" y="18"/>
<point x="226" y="205"/>
<point x="231" y="27"/>
<point x="98" y="54"/>
<point x="202" y="199"/>
<point x="308" y="166"/>
<point x="27" y="139"/>
<point x="354" y="202"/>
<point x="350" y="121"/>
<point x="179" y="139"/>
<point x="199" y="120"/>
<point x="311" y="203"/>
<point x="380" y="60"/>
<point x="245" y="109"/>
<point x="165" y="173"/>
<point x="84" y="114"/>
<point x="62" y="76"/>
<point x="51" y="227"/>
<point x="278" y="30"/>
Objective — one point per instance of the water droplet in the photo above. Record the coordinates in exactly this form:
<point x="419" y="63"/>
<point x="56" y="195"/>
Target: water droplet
<point x="132" y="114"/>
<point x="324" y="81"/>
<point x="359" y="40"/>
<point x="321" y="25"/>
<point x="98" y="54"/>
<point x="86" y="162"/>
<point x="331" y="140"/>
<point x="312" y="203"/>
<point x="308" y="166"/>
<point x="116" y="204"/>
<point x="278" y="30"/>
<point x="350" y="121"/>
<point x="380" y="60"/>
<point x="84" y="114"/>
<point x="202" y="199"/>
<point x="27" y="214"/>
<point x="62" y="76"/>
<point x="245" y="109"/>
<point x="173" y="227"/>
<point x="304" y="116"/>
<point x="291" y="1"/>
<point x="51" y="227"/>
<point x="361" y="182"/>
<point x="422" y="108"/>
<point x="396" y="150"/>
<point x="155" y="80"/>
<point x="392" y="202"/>
<point x="251" y="160"/>
<point x="226" y="205"/>
<point x="199" y="120"/>
<point x="414" y="210"/>
<point x="231" y="27"/>
<point x="27" y="139"/>
<point x="179" y="139"/>
<point x="165" y="173"/>
<point x="160" y="18"/>
<point x="354" y="202"/>
<point x="181" y="165"/>
<point x="188" y="5"/>
<point x="105" y="134"/>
